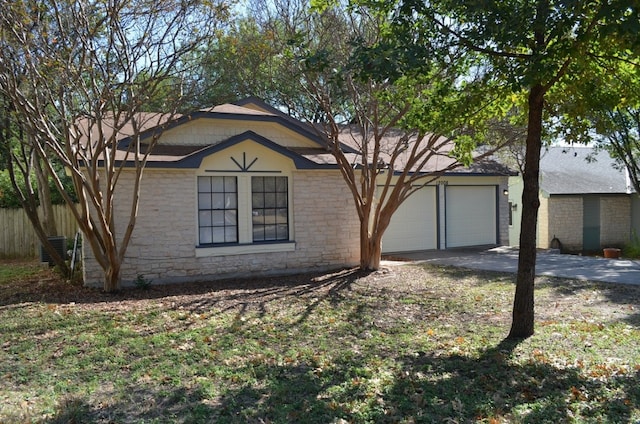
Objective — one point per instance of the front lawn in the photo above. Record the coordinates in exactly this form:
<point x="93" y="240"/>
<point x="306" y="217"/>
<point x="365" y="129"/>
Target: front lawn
<point x="415" y="344"/>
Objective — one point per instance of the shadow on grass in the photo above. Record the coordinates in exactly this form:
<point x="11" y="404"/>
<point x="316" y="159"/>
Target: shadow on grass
<point x="627" y="297"/>
<point x="55" y="291"/>
<point x="423" y="387"/>
<point x="167" y="405"/>
<point x="624" y="295"/>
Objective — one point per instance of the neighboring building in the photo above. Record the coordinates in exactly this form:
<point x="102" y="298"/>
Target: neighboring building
<point x="244" y="189"/>
<point x="586" y="201"/>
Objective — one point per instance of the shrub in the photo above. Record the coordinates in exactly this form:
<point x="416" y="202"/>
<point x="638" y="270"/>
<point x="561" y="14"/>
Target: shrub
<point x="632" y="249"/>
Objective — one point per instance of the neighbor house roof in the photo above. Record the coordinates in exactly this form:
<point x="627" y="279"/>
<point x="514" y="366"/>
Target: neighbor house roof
<point x="581" y="170"/>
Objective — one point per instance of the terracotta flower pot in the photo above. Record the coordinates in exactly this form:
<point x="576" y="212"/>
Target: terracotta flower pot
<point x="611" y="253"/>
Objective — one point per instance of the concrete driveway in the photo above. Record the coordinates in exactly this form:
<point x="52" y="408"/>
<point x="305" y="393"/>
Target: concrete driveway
<point x="622" y="271"/>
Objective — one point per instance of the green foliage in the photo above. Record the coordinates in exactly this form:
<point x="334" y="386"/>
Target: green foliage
<point x="12" y="272"/>
<point x="142" y="283"/>
<point x="632" y="249"/>
<point x="537" y="49"/>
<point x="9" y="199"/>
<point x="605" y="111"/>
<point x="243" y="60"/>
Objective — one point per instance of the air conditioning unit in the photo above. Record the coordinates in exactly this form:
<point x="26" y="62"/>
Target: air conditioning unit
<point x="59" y="244"/>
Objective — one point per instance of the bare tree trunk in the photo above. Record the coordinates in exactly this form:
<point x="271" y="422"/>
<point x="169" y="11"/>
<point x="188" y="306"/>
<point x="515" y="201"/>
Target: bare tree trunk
<point x="522" y="325"/>
<point x="44" y="195"/>
<point x="27" y="199"/>
<point x="370" y="251"/>
<point x="365" y="245"/>
<point x="112" y="277"/>
<point x="19" y="162"/>
<point x="371" y="239"/>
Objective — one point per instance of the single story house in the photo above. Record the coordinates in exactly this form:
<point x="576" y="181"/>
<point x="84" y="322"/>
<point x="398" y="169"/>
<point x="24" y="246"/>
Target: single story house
<point x="244" y="189"/>
<point x="587" y="202"/>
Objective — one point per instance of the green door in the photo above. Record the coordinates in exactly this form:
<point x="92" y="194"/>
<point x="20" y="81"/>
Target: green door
<point x="590" y="223"/>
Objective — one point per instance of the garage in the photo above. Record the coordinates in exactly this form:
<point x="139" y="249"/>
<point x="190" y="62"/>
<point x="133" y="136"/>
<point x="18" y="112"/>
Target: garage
<point x="414" y="225"/>
<point x="471" y="216"/>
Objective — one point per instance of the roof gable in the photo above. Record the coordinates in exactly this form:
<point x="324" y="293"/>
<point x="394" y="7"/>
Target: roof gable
<point x="193" y="160"/>
<point x="232" y="115"/>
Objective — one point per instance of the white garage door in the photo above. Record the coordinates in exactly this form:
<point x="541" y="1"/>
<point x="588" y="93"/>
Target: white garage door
<point x="413" y="225"/>
<point x="470" y="216"/>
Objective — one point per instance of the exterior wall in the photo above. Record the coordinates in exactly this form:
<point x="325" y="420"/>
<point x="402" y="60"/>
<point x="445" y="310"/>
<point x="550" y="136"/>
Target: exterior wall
<point x="635" y="215"/>
<point x="163" y="246"/>
<point x="503" y="211"/>
<point x="564" y="222"/>
<point x="615" y="220"/>
<point x="543" y="239"/>
<point x="562" y="217"/>
<point x="208" y="131"/>
<point x="516" y="186"/>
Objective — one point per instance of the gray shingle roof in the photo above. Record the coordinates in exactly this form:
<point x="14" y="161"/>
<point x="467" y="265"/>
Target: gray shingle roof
<point x="580" y="170"/>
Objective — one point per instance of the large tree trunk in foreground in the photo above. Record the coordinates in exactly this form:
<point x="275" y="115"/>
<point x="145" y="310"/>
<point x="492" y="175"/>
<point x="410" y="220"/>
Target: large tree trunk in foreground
<point x="522" y="325"/>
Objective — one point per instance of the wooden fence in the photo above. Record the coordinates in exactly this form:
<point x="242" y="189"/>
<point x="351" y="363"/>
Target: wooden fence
<point x="17" y="237"/>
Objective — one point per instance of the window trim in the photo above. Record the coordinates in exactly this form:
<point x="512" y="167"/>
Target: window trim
<point x="224" y="210"/>
<point x="243" y="249"/>
<point x="245" y="244"/>
<point x="264" y="208"/>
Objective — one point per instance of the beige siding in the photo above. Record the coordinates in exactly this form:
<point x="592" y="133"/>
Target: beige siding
<point x="163" y="248"/>
<point x="206" y="131"/>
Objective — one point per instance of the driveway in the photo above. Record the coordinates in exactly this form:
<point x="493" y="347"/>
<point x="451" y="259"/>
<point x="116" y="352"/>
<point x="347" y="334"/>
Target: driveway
<point x="622" y="271"/>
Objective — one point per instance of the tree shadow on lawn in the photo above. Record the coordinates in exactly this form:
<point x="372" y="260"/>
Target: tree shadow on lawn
<point x="56" y="291"/>
<point x="626" y="297"/>
<point x="424" y="387"/>
<point x="140" y="404"/>
<point x="255" y="295"/>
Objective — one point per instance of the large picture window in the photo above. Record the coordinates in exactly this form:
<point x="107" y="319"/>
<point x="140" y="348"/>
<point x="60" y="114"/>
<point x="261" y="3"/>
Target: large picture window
<point x="270" y="208"/>
<point x="217" y="210"/>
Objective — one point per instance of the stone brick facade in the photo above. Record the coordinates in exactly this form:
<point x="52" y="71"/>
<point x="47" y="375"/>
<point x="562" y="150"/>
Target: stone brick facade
<point x="564" y="222"/>
<point x="615" y="220"/>
<point x="163" y="247"/>
<point x="562" y="217"/>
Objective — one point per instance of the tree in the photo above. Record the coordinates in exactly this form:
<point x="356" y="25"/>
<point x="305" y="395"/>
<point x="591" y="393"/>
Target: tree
<point x="239" y="62"/>
<point x="605" y="111"/>
<point x="622" y="140"/>
<point x="28" y="182"/>
<point x="538" y="48"/>
<point x="78" y="74"/>
<point x="384" y="123"/>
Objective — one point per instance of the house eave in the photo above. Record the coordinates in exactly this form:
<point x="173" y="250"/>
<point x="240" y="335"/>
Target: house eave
<point x="194" y="160"/>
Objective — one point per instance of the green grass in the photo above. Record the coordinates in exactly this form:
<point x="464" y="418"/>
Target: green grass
<point x="418" y="345"/>
<point x="10" y="272"/>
